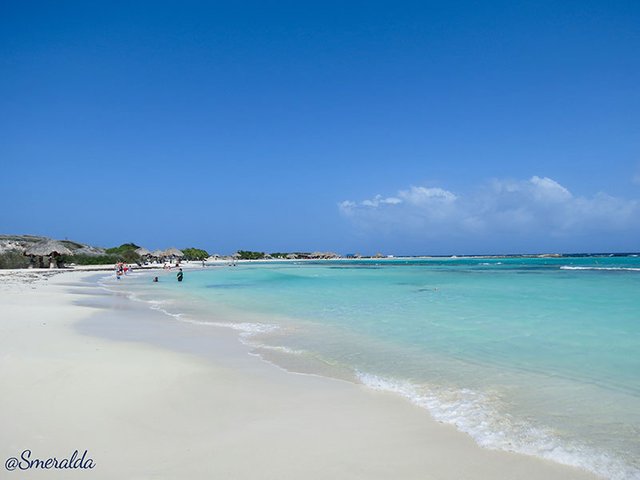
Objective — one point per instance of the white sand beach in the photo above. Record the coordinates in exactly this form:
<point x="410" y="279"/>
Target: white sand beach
<point x="80" y="372"/>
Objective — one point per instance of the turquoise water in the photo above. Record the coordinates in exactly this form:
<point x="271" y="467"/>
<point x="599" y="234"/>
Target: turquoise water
<point x="539" y="356"/>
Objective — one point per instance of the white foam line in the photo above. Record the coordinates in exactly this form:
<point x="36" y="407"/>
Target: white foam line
<point x="624" y="269"/>
<point x="275" y="348"/>
<point x="177" y="316"/>
<point x="471" y="412"/>
<point x="247" y="328"/>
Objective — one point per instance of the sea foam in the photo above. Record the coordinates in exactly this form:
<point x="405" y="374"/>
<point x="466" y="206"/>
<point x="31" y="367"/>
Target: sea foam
<point x="621" y="269"/>
<point x="477" y="415"/>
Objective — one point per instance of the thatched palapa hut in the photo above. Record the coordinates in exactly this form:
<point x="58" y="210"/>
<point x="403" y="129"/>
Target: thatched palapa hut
<point x="144" y="254"/>
<point x="47" y="248"/>
<point x="324" y="255"/>
<point x="173" y="254"/>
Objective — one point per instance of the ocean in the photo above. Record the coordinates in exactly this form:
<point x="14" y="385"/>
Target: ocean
<point x="533" y="355"/>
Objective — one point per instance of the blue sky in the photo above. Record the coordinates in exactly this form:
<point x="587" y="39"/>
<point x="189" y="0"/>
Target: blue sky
<point x="399" y="127"/>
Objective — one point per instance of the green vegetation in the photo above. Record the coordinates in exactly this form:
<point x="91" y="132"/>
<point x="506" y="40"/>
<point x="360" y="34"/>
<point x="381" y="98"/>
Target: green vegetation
<point x="129" y="256"/>
<point x="125" y="247"/>
<point x="248" y="255"/>
<point x="124" y="253"/>
<point x="279" y="255"/>
<point x="13" y="259"/>
<point x="81" y="259"/>
<point x="195" y="254"/>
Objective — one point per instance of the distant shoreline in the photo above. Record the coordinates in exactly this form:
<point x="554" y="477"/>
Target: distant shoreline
<point x="228" y="260"/>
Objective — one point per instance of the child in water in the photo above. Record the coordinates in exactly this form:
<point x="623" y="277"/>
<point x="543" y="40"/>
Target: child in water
<point x="180" y="275"/>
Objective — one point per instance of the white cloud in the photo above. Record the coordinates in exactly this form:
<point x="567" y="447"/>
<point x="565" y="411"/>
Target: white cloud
<point x="545" y="189"/>
<point x="421" y="196"/>
<point x="424" y="196"/>
<point x="539" y="206"/>
<point x="378" y="200"/>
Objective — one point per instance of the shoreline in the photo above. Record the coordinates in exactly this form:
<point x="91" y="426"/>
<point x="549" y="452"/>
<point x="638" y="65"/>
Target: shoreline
<point x="481" y="414"/>
<point x="185" y="394"/>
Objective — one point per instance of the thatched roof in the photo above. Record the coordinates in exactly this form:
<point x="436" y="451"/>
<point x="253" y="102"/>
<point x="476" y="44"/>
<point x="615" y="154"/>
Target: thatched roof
<point x="142" y="251"/>
<point x="173" y="252"/>
<point x="48" y="247"/>
<point x="157" y="253"/>
<point x="324" y="255"/>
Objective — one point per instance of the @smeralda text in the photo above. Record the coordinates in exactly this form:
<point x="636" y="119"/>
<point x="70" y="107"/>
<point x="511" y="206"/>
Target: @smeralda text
<point x="27" y="461"/>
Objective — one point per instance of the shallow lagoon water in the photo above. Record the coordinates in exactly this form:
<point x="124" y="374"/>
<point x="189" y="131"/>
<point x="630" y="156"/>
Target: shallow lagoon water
<point x="535" y="355"/>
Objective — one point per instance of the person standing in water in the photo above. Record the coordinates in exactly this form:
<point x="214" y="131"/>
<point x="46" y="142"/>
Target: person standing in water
<point x="180" y="275"/>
